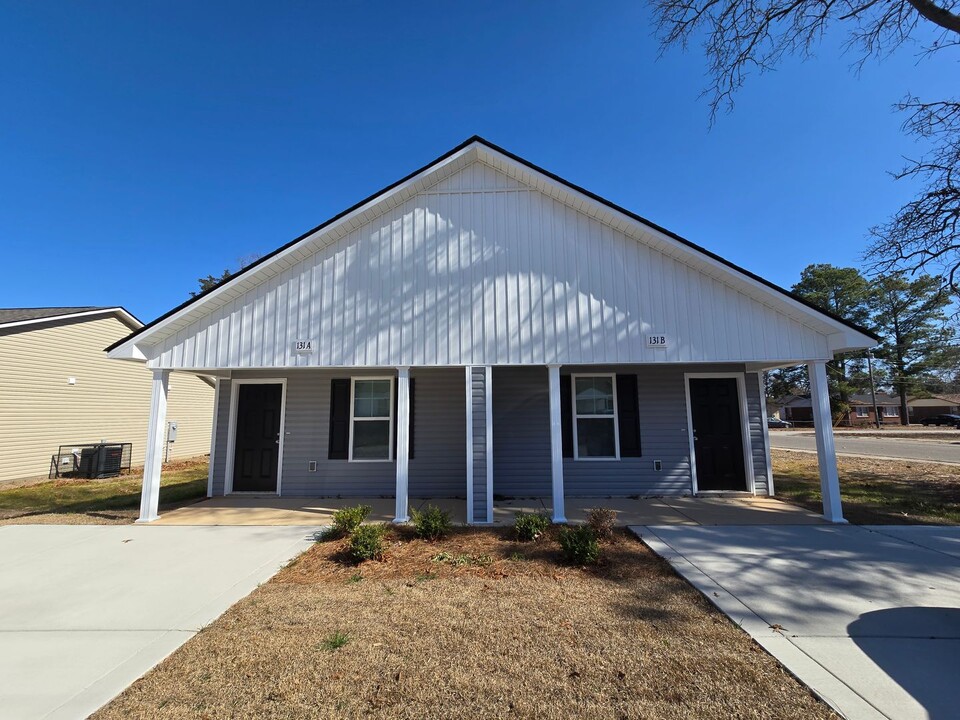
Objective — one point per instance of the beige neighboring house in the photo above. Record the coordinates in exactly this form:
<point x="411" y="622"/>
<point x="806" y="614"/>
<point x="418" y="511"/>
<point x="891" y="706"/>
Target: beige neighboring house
<point x="57" y="387"/>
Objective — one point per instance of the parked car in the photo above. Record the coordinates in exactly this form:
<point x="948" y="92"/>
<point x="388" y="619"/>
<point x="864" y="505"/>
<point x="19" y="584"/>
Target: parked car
<point x="778" y="423"/>
<point x="938" y="420"/>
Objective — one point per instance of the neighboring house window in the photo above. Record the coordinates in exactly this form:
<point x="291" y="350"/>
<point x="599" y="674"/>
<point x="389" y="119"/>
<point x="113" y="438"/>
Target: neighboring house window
<point x="595" y="430"/>
<point x="862" y="412"/>
<point x="371" y="419"/>
<point x="891" y="411"/>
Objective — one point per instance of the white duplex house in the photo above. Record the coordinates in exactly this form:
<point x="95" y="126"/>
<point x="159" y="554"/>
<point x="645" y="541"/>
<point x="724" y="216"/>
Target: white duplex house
<point x="484" y="328"/>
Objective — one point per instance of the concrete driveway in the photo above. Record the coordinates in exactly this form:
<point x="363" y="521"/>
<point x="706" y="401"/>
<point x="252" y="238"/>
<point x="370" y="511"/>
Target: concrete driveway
<point x="869" y="617"/>
<point x="86" y="610"/>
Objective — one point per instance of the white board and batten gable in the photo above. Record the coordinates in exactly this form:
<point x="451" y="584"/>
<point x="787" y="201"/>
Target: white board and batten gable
<point x="483" y="259"/>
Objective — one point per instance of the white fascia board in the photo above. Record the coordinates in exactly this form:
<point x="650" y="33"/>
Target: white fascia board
<point x="125" y="316"/>
<point x="849" y="340"/>
<point x="852" y="340"/>
<point x="230" y="286"/>
<point x="127" y="351"/>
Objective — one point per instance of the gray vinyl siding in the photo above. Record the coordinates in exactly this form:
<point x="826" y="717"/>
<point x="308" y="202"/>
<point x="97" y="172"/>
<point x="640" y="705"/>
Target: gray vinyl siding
<point x="521" y="432"/>
<point x="521" y="427"/>
<point x="219" y="459"/>
<point x="663" y="436"/>
<point x="478" y="400"/>
<point x="756" y="412"/>
<point x="438" y="468"/>
<point x="521" y="436"/>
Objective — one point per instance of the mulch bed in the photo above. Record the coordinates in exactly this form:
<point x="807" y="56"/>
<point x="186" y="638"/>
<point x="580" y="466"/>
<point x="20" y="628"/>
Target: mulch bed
<point x="472" y="626"/>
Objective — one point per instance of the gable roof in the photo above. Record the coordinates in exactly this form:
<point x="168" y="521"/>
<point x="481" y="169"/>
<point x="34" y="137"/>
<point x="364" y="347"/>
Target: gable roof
<point x="408" y="182"/>
<point x="14" y="317"/>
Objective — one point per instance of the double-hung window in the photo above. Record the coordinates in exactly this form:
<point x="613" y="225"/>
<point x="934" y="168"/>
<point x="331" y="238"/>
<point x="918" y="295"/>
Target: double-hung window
<point x="371" y="419"/>
<point x="595" y="427"/>
<point x="891" y="411"/>
<point x="862" y="411"/>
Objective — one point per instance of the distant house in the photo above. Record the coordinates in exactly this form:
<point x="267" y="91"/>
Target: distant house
<point x="484" y="328"/>
<point x="798" y="410"/>
<point x="921" y="408"/>
<point x="57" y="387"/>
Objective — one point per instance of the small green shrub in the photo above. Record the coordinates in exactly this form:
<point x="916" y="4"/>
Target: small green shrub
<point x="579" y="544"/>
<point x="530" y="526"/>
<point x="431" y="523"/>
<point x="335" y="641"/>
<point x="366" y="543"/>
<point x="347" y="520"/>
<point x="602" y="521"/>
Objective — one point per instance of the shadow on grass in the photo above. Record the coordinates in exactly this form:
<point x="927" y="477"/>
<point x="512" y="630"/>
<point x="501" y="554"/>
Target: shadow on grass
<point x="175" y="494"/>
<point x="897" y="497"/>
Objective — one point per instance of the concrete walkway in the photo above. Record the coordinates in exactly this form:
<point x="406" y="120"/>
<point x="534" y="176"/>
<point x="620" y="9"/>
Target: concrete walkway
<point x="86" y="610"/>
<point x="869" y="617"/>
<point x="246" y="510"/>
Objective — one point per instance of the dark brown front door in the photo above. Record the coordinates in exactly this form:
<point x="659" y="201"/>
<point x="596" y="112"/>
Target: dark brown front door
<point x="717" y="434"/>
<point x="258" y="438"/>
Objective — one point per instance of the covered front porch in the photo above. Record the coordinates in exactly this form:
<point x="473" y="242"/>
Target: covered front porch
<point x="252" y="511"/>
<point x="562" y="435"/>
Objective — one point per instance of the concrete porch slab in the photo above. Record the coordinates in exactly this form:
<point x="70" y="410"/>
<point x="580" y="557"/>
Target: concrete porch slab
<point x="252" y="510"/>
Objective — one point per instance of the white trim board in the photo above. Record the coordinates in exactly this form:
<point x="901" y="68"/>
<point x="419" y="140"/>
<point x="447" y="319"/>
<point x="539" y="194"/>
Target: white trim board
<point x="213" y="436"/>
<point x="232" y="431"/>
<point x="122" y="314"/>
<point x="488" y="400"/>
<point x="766" y="431"/>
<point x="468" y="382"/>
<point x="744" y="427"/>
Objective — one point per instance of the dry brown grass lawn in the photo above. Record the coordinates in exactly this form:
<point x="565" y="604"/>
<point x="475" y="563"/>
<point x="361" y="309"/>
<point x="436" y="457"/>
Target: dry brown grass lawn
<point x="496" y="629"/>
<point x="874" y="491"/>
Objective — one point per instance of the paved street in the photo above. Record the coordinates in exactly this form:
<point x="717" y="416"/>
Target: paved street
<point x="938" y="450"/>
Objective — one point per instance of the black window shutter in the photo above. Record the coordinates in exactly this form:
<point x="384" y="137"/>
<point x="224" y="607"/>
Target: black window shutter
<point x="628" y="412"/>
<point x="339" y="419"/>
<point x="566" y="415"/>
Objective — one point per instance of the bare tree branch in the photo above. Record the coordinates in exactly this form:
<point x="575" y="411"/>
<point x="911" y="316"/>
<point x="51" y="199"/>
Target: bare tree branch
<point x="924" y="235"/>
<point x="745" y="36"/>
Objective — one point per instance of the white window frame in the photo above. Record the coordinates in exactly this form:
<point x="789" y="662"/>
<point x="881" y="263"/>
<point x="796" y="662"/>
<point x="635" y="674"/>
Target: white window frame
<point x="863" y="411"/>
<point x="891" y="411"/>
<point x="615" y="417"/>
<point x="353" y="418"/>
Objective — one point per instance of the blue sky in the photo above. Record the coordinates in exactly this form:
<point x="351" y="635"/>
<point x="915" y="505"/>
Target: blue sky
<point x="145" y="144"/>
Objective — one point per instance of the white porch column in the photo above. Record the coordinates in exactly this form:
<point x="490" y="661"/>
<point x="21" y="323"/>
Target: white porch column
<point x="403" y="444"/>
<point x="150" y="493"/>
<point x="826" y="451"/>
<point x="556" y="443"/>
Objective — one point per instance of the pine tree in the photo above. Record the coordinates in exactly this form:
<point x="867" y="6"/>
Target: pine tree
<point x="845" y="293"/>
<point x="910" y="316"/>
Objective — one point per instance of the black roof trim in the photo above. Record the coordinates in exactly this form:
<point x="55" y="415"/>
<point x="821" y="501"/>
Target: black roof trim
<point x="526" y="163"/>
